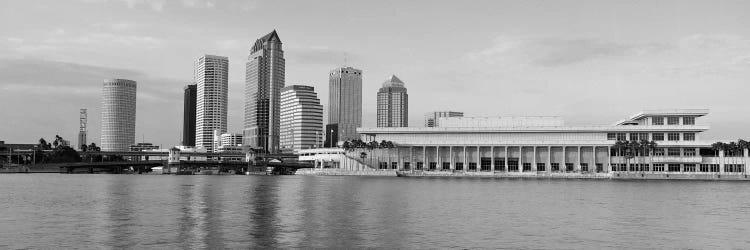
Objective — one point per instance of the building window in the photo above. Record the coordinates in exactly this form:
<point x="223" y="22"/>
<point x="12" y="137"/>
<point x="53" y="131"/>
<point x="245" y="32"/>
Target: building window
<point x="486" y="164"/>
<point x="688" y="120"/>
<point x="658" y="168"/>
<point x="459" y="166"/>
<point x="673" y="168"/>
<point x="658" y="152"/>
<point x="513" y="165"/>
<point x="555" y="167"/>
<point x="569" y="167"/>
<point x="540" y="167"/>
<point x="673" y="136"/>
<point x="394" y="165"/>
<point x="433" y="165"/>
<point x="446" y="165"/>
<point x="420" y="165"/>
<point x="673" y="120"/>
<point x="657" y="120"/>
<point x="689" y="168"/>
<point x="688" y="152"/>
<point x="499" y="164"/>
<point x="621" y="136"/>
<point x="472" y="166"/>
<point x="688" y="136"/>
<point x="584" y="167"/>
<point x="657" y="136"/>
<point x="527" y="167"/>
<point x="407" y="165"/>
<point x="673" y="152"/>
<point x="611" y="136"/>
<point x="734" y="168"/>
<point x="599" y="167"/>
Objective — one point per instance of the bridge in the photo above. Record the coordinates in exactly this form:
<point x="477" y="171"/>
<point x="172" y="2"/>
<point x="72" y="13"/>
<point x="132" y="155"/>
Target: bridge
<point x="184" y="167"/>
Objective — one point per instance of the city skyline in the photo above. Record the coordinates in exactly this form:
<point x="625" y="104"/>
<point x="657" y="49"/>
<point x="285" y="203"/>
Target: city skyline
<point x="550" y="66"/>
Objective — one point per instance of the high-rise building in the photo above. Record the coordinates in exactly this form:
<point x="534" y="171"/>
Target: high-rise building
<point x="393" y="104"/>
<point x="345" y="102"/>
<point x="211" y="78"/>
<point x="301" y="119"/>
<point x="118" y="114"/>
<point x="264" y="78"/>
<point x="188" y="115"/>
<point x="432" y="119"/>
<point x="230" y="139"/>
<point x="83" y="130"/>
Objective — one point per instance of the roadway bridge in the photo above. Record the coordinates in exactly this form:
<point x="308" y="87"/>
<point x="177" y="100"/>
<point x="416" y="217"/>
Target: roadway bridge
<point x="184" y="167"/>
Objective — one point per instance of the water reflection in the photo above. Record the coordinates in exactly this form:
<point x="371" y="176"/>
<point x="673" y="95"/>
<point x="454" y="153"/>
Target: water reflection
<point x="263" y="205"/>
<point x="121" y="213"/>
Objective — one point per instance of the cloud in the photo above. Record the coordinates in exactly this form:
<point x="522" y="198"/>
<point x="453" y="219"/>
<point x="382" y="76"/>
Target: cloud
<point x="319" y="55"/>
<point x="554" y="52"/>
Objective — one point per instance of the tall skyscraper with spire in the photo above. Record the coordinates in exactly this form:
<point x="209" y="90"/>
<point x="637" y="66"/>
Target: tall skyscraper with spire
<point x="344" y="104"/>
<point x="264" y="78"/>
<point x="393" y="104"/>
<point x="211" y="78"/>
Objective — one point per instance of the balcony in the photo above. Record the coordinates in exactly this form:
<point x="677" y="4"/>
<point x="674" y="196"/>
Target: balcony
<point x="677" y="159"/>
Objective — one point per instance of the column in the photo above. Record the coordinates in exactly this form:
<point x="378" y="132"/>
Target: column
<point x="466" y="164"/>
<point x="609" y="159"/>
<point x="593" y="161"/>
<point x="450" y="158"/>
<point x="411" y="158"/>
<point x="425" y="166"/>
<point x="437" y="157"/>
<point x="580" y="157"/>
<point x="549" y="159"/>
<point x="533" y="161"/>
<point x="506" y="159"/>
<point x="492" y="159"/>
<point x="479" y="161"/>
<point x="520" y="157"/>
<point x="563" y="166"/>
<point x="721" y="161"/>
<point x="747" y="158"/>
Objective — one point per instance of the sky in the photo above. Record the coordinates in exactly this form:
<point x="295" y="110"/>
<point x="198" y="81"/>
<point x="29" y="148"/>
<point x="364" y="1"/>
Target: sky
<point x="591" y="62"/>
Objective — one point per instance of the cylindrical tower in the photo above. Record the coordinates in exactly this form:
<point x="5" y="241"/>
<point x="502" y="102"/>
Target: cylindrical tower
<point x="118" y="114"/>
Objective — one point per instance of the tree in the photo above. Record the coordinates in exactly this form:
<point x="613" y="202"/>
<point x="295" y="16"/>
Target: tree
<point x="84" y="147"/>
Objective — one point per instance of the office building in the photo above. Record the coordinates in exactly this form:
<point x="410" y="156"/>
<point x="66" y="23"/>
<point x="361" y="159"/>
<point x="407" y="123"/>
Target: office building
<point x="118" y="114"/>
<point x="301" y="119"/>
<point x="231" y="139"/>
<point x="188" y="115"/>
<point x="345" y="102"/>
<point x="212" y="99"/>
<point x="264" y="78"/>
<point x="432" y="119"/>
<point x="393" y="104"/>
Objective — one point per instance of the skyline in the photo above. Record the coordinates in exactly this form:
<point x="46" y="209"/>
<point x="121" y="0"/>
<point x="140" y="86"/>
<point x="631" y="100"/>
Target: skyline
<point x="582" y="60"/>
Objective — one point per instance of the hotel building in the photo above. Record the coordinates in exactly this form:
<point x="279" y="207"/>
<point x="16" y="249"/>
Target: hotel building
<point x="264" y="78"/>
<point x="432" y="119"/>
<point x="118" y="114"/>
<point x="393" y="104"/>
<point x="344" y="103"/>
<point x="546" y="146"/>
<point x="301" y="119"/>
<point x="211" y="76"/>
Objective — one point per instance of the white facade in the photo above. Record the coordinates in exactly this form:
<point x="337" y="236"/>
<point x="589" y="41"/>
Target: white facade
<point x="531" y="145"/>
<point x="211" y="76"/>
<point x="228" y="139"/>
<point x="301" y="119"/>
<point x="345" y="101"/>
<point x="118" y="114"/>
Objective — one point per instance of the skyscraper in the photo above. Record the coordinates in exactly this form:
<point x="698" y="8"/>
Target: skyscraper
<point x="264" y="78"/>
<point x="432" y="119"/>
<point x="211" y="77"/>
<point x="301" y="119"/>
<point x="345" y="101"/>
<point x="83" y="130"/>
<point x="393" y="104"/>
<point x="118" y="114"/>
<point x="188" y="115"/>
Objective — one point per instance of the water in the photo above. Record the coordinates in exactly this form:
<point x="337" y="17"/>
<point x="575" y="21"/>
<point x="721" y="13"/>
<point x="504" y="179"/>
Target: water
<point x="131" y="211"/>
